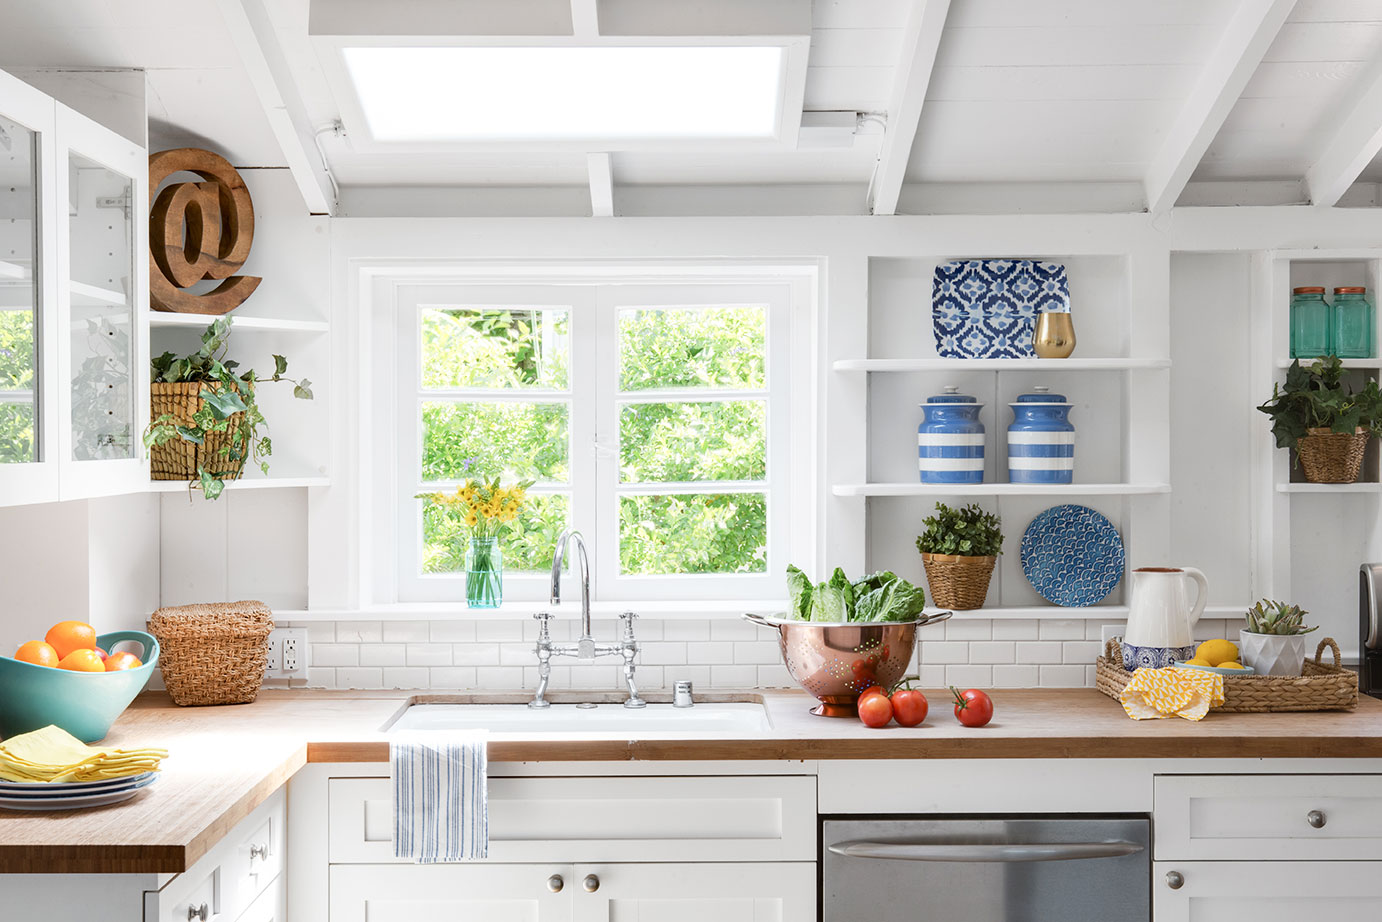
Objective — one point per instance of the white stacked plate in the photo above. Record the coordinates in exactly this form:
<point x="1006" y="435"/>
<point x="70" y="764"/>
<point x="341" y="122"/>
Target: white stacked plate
<point x="23" y="795"/>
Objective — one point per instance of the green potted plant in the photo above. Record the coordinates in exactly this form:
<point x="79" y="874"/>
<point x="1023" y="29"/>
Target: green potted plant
<point x="959" y="549"/>
<point x="1273" y="643"/>
<point x="1325" y="420"/>
<point x="206" y="422"/>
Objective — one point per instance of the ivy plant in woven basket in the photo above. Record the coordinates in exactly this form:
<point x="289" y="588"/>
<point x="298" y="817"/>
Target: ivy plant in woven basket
<point x="1324" y="419"/>
<point x="959" y="549"/>
<point x="206" y="421"/>
<point x="1273" y="643"/>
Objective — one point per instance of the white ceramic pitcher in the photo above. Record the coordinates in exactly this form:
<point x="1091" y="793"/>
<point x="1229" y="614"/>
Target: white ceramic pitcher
<point x="1159" y="612"/>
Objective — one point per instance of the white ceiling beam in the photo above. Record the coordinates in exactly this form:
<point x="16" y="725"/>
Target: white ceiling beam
<point x="921" y="40"/>
<point x="601" y="185"/>
<point x="249" y="27"/>
<point x="1352" y="147"/>
<point x="1245" y="40"/>
<point x="585" y="18"/>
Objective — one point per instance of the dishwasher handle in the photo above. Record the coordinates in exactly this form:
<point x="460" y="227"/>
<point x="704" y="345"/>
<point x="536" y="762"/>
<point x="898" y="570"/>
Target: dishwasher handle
<point x="941" y="851"/>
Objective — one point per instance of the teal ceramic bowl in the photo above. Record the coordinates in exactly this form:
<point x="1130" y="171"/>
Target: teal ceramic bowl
<point x="84" y="704"/>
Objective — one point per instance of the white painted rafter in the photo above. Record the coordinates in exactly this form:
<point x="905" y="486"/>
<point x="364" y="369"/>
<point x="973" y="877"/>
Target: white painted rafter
<point x="601" y="185"/>
<point x="585" y="18"/>
<point x="920" y="42"/>
<point x="1231" y="64"/>
<point x="1352" y="147"/>
<point x="248" y="24"/>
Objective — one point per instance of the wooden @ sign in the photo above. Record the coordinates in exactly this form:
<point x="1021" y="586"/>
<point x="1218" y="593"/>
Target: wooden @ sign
<point x="197" y="231"/>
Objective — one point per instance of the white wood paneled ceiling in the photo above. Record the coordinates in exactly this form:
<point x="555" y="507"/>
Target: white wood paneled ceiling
<point x="957" y="106"/>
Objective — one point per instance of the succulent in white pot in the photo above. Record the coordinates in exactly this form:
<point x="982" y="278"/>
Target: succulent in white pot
<point x="1273" y="643"/>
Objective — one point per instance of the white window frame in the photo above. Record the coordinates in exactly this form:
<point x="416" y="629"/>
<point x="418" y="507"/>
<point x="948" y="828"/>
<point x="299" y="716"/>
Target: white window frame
<point x="594" y="401"/>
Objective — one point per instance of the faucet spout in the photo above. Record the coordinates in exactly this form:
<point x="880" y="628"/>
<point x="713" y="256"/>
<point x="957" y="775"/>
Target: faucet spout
<point x="586" y="644"/>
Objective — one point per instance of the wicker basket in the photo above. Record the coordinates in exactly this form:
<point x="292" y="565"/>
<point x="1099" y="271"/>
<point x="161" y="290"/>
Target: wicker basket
<point x="177" y="459"/>
<point x="213" y="653"/>
<point x="956" y="582"/>
<point x="1320" y="687"/>
<point x="1332" y="457"/>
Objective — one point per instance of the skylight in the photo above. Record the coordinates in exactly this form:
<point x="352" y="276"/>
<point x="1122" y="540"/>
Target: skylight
<point x="459" y="94"/>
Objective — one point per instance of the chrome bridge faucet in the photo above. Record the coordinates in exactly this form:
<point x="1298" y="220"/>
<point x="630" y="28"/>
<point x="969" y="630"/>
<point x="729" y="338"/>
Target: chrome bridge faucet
<point x="585" y="649"/>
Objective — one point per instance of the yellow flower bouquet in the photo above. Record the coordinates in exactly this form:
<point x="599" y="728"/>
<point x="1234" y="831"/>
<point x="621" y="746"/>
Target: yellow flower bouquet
<point x="487" y="510"/>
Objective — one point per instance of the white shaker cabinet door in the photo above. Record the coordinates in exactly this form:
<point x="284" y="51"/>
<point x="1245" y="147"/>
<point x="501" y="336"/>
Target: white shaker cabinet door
<point x="741" y="892"/>
<point x="1265" y="891"/>
<point x="482" y="892"/>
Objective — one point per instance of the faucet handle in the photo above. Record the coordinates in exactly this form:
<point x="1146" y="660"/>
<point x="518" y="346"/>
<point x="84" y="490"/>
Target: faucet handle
<point x="542" y="618"/>
<point x="628" y="617"/>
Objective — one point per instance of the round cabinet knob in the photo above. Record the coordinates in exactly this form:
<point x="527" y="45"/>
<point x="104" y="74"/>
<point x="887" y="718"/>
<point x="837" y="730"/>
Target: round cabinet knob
<point x="1175" y="880"/>
<point x="555" y="883"/>
<point x="259" y="851"/>
<point x="1316" y="818"/>
<point x="200" y="913"/>
<point x="591" y="883"/>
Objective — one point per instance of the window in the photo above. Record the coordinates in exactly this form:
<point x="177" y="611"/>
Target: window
<point x="655" y="418"/>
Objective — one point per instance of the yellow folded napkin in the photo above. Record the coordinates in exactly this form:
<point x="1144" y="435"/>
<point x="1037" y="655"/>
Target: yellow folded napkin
<point x="53" y="754"/>
<point x="1188" y="693"/>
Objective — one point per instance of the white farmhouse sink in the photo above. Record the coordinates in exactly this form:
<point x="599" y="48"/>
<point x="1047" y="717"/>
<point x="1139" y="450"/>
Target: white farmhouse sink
<point x="571" y="718"/>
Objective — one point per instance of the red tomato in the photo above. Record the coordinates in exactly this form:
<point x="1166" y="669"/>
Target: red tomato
<point x="875" y="710"/>
<point x="973" y="708"/>
<point x="909" y="707"/>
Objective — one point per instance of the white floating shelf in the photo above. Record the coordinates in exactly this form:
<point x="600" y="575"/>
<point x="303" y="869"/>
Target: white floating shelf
<point x="252" y="483"/>
<point x="84" y="295"/>
<point x="1094" y="612"/>
<point x="999" y="489"/>
<point x="14" y="271"/>
<point x="903" y="365"/>
<point x="1329" y="488"/>
<point x="1347" y="363"/>
<point x="275" y="324"/>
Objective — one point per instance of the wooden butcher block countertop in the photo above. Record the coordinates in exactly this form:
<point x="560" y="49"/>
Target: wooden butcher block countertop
<point x="225" y="761"/>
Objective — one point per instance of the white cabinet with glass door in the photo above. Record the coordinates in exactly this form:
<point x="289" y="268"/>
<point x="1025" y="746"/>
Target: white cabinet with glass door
<point x="28" y="363"/>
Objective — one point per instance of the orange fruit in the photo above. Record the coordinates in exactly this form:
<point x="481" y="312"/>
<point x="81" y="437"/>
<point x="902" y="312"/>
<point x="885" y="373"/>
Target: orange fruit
<point x="66" y="636"/>
<point x="118" y="661"/>
<point x="38" y="653"/>
<point x="83" y="660"/>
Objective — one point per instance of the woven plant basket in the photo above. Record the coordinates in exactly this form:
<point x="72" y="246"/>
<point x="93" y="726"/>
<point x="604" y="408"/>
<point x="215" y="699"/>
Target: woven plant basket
<point x="958" y="582"/>
<point x="1319" y="687"/>
<point x="1332" y="457"/>
<point x="213" y="653"/>
<point x="177" y="459"/>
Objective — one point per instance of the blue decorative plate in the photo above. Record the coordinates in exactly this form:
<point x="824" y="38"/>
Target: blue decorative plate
<point x="987" y="308"/>
<point x="1072" y="556"/>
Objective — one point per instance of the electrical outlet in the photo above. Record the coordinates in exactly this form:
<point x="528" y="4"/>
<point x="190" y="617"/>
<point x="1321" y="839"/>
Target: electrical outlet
<point x="1109" y="631"/>
<point x="287" y="654"/>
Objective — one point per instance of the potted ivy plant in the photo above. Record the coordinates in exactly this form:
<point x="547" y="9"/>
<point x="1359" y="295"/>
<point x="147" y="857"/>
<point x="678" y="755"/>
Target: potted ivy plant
<point x="1325" y="420"/>
<point x="205" y="420"/>
<point x="959" y="549"/>
<point x="1273" y="643"/>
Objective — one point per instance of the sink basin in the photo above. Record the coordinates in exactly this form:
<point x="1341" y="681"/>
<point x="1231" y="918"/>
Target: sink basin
<point x="714" y="718"/>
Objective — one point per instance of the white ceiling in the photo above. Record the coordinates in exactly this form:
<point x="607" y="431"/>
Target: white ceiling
<point x="1065" y="95"/>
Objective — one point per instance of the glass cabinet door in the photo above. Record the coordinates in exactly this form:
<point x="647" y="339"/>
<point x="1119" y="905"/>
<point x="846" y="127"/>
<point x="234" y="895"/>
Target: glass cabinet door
<point x="19" y="291"/>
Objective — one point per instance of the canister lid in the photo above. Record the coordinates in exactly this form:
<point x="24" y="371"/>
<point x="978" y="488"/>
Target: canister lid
<point x="1350" y="290"/>
<point x="952" y="395"/>
<point x="1309" y="290"/>
<point x="1042" y="394"/>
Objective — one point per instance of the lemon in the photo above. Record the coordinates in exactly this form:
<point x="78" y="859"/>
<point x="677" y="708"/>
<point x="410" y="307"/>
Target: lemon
<point x="1215" y="652"/>
<point x="1230" y="665"/>
<point x="1196" y="661"/>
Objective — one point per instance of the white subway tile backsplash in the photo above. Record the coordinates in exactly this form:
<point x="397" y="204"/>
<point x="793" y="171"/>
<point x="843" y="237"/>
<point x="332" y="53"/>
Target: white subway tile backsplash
<point x="1094" y="630"/>
<point x="319" y="631"/>
<point x="647" y="677"/>
<point x="663" y="654"/>
<point x="602" y="678"/>
<point x="1016" y="676"/>
<point x="1039" y="652"/>
<point x="774" y="677"/>
<point x="969" y="676"/>
<point x="1015" y="629"/>
<point x="405" y="631"/>
<point x="451" y="631"/>
<point x="1081" y="652"/>
<point x="957" y="629"/>
<point x="992" y="651"/>
<point x="686" y="630"/>
<point x="931" y="676"/>
<point x="734" y="676"/>
<point x="456" y="677"/>
<point x="475" y="654"/>
<point x="359" y="677"/>
<point x="407" y="677"/>
<point x="715" y="653"/>
<point x="429" y="654"/>
<point x="1060" y="629"/>
<point x="761" y="652"/>
<point x="944" y="651"/>
<point x="383" y="654"/>
<point x="335" y="654"/>
<point x="498" y="631"/>
<point x="321" y="677"/>
<point x="732" y="629"/>
<point x="1063" y="676"/>
<point x="517" y="654"/>
<point x="499" y="678"/>
<point x="698" y="676"/>
<point x="359" y="632"/>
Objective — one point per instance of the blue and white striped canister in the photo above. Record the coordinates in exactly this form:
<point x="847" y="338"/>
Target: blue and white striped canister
<point x="950" y="439"/>
<point x="1041" y="440"/>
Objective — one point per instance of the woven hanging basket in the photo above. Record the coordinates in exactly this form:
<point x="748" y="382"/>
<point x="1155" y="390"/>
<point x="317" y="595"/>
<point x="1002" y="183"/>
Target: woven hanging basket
<point x="957" y="582"/>
<point x="213" y="653"/>
<point x="177" y="459"/>
<point x="1332" y="457"/>
<point x="1319" y="687"/>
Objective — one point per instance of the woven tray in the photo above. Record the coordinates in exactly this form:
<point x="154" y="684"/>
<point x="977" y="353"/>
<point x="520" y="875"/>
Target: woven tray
<point x="213" y="653"/>
<point x="1320" y="687"/>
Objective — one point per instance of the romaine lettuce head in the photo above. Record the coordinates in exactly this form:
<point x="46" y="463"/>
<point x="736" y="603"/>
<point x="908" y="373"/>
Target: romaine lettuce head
<point x="890" y="600"/>
<point x="828" y="604"/>
<point x="799" y="590"/>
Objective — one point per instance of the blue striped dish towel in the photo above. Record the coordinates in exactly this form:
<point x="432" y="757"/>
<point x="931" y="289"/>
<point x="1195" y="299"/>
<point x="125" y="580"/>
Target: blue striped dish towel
<point x="440" y="796"/>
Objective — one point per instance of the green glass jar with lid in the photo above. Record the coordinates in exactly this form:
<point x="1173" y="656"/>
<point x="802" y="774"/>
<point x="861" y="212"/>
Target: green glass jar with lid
<point x="1351" y="326"/>
<point x="1310" y="323"/>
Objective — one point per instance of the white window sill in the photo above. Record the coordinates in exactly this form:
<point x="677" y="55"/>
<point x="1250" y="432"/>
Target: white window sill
<point x="457" y="611"/>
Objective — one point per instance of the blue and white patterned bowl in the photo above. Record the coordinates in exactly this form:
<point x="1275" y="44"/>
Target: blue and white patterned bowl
<point x="987" y="308"/>
<point x="1072" y="556"/>
<point x="1135" y="657"/>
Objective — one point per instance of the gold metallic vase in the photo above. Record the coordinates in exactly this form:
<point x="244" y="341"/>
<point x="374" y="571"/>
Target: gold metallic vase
<point x="1055" y="335"/>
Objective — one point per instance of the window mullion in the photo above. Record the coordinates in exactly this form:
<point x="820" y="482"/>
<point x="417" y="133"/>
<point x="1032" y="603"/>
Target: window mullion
<point x="605" y="442"/>
<point x="585" y="363"/>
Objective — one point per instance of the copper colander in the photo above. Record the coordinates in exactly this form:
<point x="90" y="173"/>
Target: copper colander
<point x="836" y="661"/>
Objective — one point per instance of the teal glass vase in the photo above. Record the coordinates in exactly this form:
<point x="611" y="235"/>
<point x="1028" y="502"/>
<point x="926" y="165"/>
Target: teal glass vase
<point x="1310" y="324"/>
<point x="1352" y="324"/>
<point x="484" y="573"/>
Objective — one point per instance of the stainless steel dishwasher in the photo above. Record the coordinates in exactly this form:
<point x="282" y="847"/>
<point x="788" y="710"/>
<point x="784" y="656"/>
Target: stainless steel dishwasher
<point x="1019" y="869"/>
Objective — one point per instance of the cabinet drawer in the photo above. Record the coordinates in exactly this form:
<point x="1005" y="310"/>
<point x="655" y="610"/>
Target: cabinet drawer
<point x="189" y="896"/>
<point x="270" y="906"/>
<point x="1271" y="891"/>
<point x="1246" y="817"/>
<point x="757" y="818"/>
<point x="257" y="856"/>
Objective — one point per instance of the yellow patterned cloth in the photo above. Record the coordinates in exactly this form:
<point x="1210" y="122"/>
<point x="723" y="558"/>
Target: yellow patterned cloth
<point x="53" y="754"/>
<point x="1188" y="693"/>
